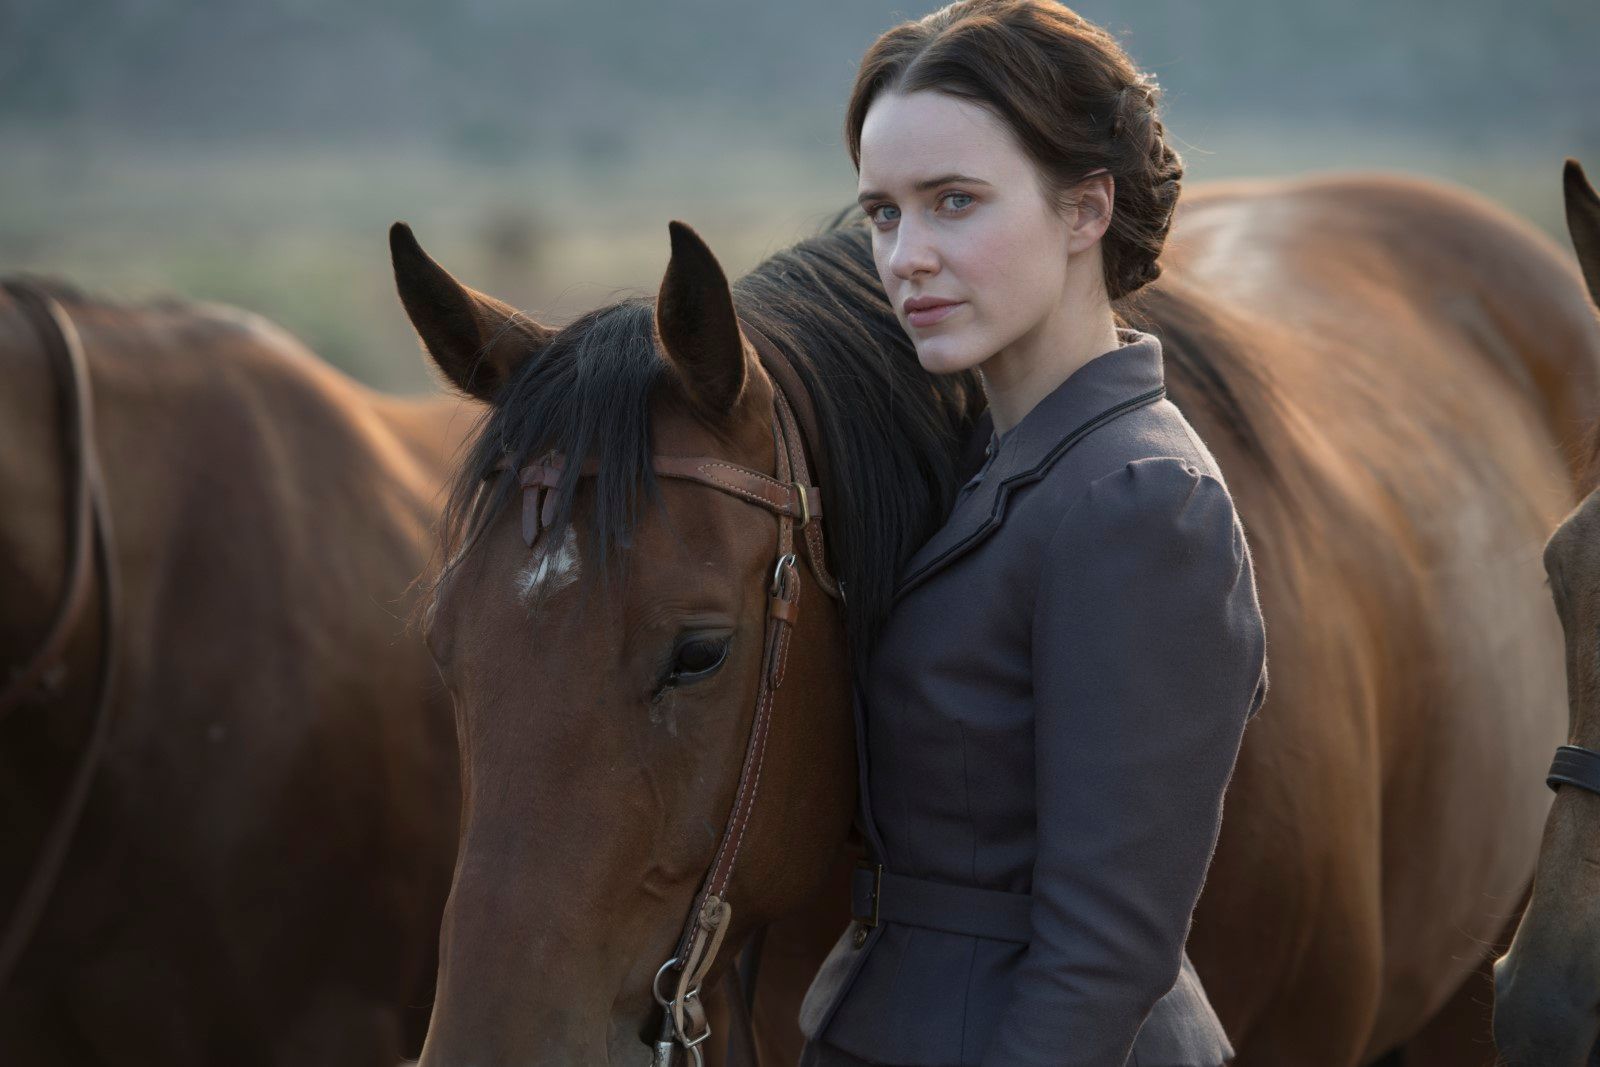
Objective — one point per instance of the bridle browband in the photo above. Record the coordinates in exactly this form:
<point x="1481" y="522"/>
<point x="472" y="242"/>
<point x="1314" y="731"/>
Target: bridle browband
<point x="90" y="550"/>
<point x="794" y="499"/>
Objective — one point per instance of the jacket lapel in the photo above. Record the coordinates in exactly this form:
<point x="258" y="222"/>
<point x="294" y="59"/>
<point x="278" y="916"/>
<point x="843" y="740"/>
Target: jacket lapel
<point x="1105" y="387"/>
<point x="976" y="515"/>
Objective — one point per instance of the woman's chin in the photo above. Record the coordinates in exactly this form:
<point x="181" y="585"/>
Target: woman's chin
<point x="941" y="355"/>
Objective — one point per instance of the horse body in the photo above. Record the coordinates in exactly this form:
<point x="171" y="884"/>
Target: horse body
<point x="261" y="864"/>
<point x="1410" y="368"/>
<point x="1389" y="374"/>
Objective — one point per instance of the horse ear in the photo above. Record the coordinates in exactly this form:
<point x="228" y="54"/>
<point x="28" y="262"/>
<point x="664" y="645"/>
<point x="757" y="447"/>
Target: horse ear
<point x="476" y="340"/>
<point x="698" y="329"/>
<point x="1583" y="222"/>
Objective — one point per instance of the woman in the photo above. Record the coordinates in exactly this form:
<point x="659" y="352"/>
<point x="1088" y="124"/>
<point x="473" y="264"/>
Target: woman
<point x="1056" y="702"/>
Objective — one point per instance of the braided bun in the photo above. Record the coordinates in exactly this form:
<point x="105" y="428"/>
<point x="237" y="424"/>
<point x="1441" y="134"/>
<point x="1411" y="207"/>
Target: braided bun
<point x="1149" y="175"/>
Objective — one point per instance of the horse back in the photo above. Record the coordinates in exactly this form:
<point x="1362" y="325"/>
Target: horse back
<point x="1384" y="269"/>
<point x="1396" y="378"/>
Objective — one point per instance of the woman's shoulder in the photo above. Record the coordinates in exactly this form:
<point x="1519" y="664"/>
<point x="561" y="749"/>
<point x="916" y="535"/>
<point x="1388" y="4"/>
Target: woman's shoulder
<point x="1152" y="432"/>
<point x="1147" y="460"/>
<point x="1162" y="501"/>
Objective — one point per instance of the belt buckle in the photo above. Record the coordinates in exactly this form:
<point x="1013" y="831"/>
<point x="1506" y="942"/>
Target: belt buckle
<point x="871" y="920"/>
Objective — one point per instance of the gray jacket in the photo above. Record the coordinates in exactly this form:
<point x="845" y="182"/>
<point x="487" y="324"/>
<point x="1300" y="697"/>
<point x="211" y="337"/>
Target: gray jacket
<point x="1053" y="711"/>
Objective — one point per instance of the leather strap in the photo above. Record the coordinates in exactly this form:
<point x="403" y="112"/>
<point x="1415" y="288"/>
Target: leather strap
<point x="795" y="500"/>
<point x="684" y="1022"/>
<point x="792" y="498"/>
<point x="789" y="384"/>
<point x="793" y="495"/>
<point x="79" y="446"/>
<point x="1575" y="765"/>
<point x="787" y="381"/>
<point x="91" y="517"/>
<point x="955" y="909"/>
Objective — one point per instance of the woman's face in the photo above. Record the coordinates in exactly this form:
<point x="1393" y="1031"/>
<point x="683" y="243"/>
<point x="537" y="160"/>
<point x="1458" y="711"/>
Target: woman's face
<point x="972" y="251"/>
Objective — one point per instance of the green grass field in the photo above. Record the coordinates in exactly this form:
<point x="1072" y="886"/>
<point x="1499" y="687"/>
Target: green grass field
<point x="299" y="234"/>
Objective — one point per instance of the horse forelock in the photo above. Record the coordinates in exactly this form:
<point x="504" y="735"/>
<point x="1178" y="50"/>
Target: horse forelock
<point x="893" y="432"/>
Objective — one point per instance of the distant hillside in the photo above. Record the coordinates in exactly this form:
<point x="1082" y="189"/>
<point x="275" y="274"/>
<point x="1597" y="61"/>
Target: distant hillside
<point x="501" y="78"/>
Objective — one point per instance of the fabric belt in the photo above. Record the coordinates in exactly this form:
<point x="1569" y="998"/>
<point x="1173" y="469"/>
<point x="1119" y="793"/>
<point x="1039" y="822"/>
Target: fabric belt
<point x="955" y="909"/>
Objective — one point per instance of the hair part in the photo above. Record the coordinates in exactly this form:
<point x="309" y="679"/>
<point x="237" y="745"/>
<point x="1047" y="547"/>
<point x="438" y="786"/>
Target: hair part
<point x="1068" y="92"/>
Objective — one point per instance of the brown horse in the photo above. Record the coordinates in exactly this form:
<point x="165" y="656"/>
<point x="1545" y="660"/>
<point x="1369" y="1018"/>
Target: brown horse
<point x="261" y="862"/>
<point x="1390" y="374"/>
<point x="1547" y="987"/>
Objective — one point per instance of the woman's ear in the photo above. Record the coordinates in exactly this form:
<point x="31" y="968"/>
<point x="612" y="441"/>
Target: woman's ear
<point x="1093" y="199"/>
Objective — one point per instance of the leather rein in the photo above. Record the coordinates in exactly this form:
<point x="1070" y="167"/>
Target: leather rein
<point x="796" y="501"/>
<point x="90" y="551"/>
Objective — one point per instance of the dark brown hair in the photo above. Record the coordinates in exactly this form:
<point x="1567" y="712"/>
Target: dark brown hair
<point x="1069" y="93"/>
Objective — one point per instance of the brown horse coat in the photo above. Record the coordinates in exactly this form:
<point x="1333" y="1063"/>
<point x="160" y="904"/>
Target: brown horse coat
<point x="1409" y="370"/>
<point x="260" y="869"/>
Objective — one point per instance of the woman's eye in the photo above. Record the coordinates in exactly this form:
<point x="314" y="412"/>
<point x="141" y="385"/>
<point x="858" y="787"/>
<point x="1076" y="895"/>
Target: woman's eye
<point x="951" y="198"/>
<point x="883" y="213"/>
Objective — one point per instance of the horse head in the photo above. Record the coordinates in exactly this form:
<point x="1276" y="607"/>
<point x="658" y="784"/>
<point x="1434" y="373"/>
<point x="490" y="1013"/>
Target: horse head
<point x="609" y="645"/>
<point x="1547" y="986"/>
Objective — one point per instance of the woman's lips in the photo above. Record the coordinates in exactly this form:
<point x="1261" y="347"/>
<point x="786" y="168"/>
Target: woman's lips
<point x="928" y="316"/>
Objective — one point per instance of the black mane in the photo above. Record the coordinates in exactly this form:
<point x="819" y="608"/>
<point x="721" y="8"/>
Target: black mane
<point x="893" y="432"/>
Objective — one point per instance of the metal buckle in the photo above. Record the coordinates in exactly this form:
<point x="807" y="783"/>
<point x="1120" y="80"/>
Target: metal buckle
<point x="805" y="503"/>
<point x="684" y="1039"/>
<point x="670" y="1037"/>
<point x="871" y="920"/>
<point x="785" y="561"/>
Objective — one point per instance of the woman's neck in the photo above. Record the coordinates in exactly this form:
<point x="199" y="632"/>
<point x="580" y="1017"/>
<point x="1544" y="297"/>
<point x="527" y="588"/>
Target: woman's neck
<point x="1030" y="368"/>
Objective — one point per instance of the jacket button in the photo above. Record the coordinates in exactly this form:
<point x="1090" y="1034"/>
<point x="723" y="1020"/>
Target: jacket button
<point x="861" y="935"/>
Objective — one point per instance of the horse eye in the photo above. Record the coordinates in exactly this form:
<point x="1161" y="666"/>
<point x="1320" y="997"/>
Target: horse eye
<point x="698" y="659"/>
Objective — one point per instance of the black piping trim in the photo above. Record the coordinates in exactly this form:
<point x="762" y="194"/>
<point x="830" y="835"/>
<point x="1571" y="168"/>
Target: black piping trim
<point x="1031" y="475"/>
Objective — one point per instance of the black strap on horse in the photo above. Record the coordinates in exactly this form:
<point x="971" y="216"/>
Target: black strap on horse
<point x="89" y="551"/>
<point x="1575" y="765"/>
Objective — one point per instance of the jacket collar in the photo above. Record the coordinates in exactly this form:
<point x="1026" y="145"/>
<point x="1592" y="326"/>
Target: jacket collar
<point x="1101" y="389"/>
<point x="1132" y="368"/>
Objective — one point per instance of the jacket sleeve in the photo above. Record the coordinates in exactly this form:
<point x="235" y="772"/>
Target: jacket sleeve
<point x="1149" y="655"/>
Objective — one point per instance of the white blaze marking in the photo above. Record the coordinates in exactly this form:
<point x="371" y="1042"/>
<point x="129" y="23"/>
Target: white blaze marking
<point x="553" y="570"/>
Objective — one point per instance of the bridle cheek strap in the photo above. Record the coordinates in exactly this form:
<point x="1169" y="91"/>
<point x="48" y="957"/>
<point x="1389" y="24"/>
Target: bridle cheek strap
<point x="684" y="1022"/>
<point x="793" y="499"/>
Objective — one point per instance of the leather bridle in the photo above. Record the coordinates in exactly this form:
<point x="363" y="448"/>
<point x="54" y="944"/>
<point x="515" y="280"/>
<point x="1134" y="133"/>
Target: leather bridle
<point x="90" y="522"/>
<point x="793" y="498"/>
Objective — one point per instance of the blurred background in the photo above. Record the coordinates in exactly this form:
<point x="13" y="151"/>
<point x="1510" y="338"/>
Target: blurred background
<point x="255" y="152"/>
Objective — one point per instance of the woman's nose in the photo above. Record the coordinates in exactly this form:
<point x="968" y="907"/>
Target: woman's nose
<point x="913" y="251"/>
